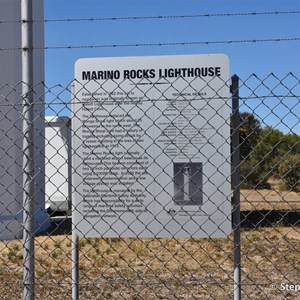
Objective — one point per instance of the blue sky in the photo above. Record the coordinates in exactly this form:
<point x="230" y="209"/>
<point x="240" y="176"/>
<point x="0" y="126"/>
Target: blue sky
<point x="260" y="58"/>
<point x="245" y="58"/>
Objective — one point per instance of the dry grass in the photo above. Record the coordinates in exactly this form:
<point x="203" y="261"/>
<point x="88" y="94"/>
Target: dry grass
<point x="165" y="268"/>
<point x="157" y="268"/>
<point x="269" y="200"/>
<point x="272" y="199"/>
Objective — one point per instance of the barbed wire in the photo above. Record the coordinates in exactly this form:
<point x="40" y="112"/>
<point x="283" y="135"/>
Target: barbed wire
<point x="253" y="41"/>
<point x="204" y="15"/>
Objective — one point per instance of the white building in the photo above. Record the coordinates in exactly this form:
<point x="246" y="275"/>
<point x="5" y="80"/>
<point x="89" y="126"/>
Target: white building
<point x="58" y="164"/>
<point x="11" y="192"/>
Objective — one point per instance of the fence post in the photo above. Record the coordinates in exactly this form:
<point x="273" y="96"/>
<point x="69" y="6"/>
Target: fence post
<point x="75" y="263"/>
<point x="236" y="186"/>
<point x="75" y="238"/>
<point x="28" y="150"/>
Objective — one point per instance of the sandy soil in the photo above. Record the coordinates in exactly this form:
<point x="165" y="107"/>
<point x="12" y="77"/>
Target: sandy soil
<point x="158" y="268"/>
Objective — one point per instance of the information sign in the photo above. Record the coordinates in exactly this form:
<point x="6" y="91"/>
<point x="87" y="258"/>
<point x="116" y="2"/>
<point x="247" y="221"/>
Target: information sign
<point x="152" y="146"/>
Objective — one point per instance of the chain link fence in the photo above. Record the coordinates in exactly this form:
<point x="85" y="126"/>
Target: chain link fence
<point x="111" y="162"/>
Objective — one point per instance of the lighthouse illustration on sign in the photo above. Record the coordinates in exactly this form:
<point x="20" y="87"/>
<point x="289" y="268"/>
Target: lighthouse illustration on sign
<point x="188" y="184"/>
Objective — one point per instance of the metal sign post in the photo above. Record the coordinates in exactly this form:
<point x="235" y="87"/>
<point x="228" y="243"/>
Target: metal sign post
<point x="236" y="186"/>
<point x="75" y="238"/>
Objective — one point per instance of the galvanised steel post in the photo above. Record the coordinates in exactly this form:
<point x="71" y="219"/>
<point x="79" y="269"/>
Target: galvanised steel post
<point x="28" y="149"/>
<point x="75" y="239"/>
<point x="236" y="222"/>
<point x="75" y="263"/>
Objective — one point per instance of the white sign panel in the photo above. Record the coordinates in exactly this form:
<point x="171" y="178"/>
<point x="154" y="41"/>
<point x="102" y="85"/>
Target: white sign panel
<point x="152" y="146"/>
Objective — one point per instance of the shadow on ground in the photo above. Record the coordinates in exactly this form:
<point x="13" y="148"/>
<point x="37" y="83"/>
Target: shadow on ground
<point x="62" y="225"/>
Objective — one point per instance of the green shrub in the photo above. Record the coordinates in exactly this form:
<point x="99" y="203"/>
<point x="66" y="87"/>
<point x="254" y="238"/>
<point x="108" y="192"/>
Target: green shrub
<point x="289" y="170"/>
<point x="253" y="175"/>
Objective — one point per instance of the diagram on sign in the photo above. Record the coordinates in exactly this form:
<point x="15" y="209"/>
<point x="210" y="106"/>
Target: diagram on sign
<point x="188" y="184"/>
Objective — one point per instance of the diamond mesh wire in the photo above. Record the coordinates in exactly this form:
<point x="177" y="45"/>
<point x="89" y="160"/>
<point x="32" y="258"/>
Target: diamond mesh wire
<point x="154" y="267"/>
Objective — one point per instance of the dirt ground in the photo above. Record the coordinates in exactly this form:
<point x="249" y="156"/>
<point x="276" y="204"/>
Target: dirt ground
<point x="166" y="268"/>
<point x="158" y="268"/>
<point x="269" y="200"/>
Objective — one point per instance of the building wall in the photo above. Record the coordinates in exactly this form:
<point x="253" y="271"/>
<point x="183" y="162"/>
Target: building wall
<point x="11" y="201"/>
